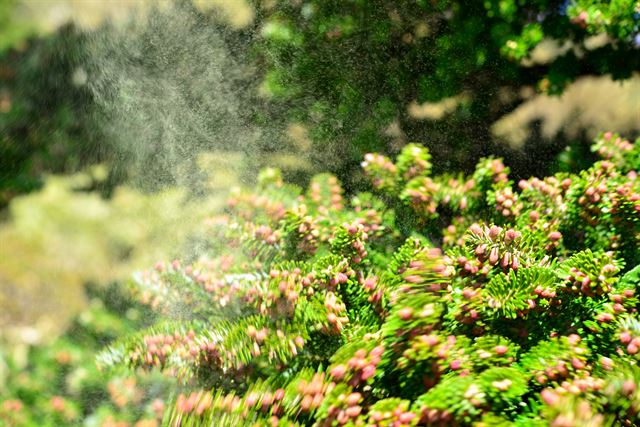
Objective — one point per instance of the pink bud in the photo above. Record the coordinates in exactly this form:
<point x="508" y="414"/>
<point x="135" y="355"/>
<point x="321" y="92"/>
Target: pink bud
<point x="574" y="339"/>
<point x="433" y="415"/>
<point x="628" y="387"/>
<point x="405" y="313"/>
<point x="475" y="229"/>
<point x="353" y="399"/>
<point x="370" y="283"/>
<point x="406" y="417"/>
<point x="607" y="363"/>
<point x="554" y="236"/>
<point x="625" y="337"/>
<point x="506" y="260"/>
<point x="342" y="417"/>
<point x="500" y="349"/>
<point x="368" y="372"/>
<point x="468" y="293"/>
<point x="353" y="411"/>
<point x="306" y="402"/>
<point x="549" y="397"/>
<point x="494" y="256"/>
<point x="377" y="351"/>
<point x="515" y="264"/>
<point x="577" y="363"/>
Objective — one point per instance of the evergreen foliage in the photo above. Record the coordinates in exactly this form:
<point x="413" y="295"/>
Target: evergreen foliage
<point x="431" y="301"/>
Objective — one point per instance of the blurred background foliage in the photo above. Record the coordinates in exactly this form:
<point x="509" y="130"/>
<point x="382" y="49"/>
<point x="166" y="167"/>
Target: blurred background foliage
<point x="145" y="85"/>
<point x="58" y="383"/>
<point x="123" y="124"/>
<point x="14" y="26"/>
<point x="64" y="235"/>
<point x="371" y="75"/>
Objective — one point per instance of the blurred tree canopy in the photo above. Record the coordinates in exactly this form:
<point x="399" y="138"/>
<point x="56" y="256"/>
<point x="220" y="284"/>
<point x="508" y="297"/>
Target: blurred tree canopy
<point x="144" y="96"/>
<point x="45" y="122"/>
<point x="347" y="77"/>
<point x="13" y="27"/>
<point x="351" y="69"/>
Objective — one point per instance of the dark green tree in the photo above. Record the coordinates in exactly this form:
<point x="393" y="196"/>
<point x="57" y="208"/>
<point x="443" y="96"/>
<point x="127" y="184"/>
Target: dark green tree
<point x="45" y="123"/>
<point x="349" y="69"/>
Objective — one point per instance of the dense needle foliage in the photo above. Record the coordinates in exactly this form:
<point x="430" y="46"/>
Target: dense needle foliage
<point x="431" y="300"/>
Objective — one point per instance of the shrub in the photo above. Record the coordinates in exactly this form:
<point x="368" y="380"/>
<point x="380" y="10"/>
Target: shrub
<point x="432" y="300"/>
<point x="120" y="234"/>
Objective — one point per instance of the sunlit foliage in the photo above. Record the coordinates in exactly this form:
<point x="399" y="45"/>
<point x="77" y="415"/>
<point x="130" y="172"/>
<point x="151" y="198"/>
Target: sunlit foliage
<point x="431" y="300"/>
